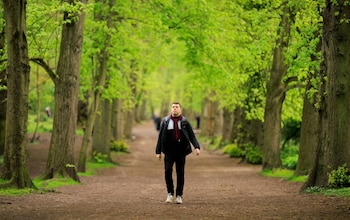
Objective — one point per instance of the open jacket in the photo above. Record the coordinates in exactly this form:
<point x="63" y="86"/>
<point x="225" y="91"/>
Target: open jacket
<point x="186" y="131"/>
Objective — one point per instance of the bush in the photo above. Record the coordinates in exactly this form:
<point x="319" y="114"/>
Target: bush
<point x="289" y="156"/>
<point x="290" y="162"/>
<point x="339" y="178"/>
<point x="233" y="151"/>
<point x="119" y="146"/>
<point x="253" y="155"/>
<point x="98" y="157"/>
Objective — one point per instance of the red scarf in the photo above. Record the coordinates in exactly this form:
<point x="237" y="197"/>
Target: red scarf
<point x="177" y="134"/>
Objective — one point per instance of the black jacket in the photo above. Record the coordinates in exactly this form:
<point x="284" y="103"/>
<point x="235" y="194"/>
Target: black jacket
<point x="186" y="130"/>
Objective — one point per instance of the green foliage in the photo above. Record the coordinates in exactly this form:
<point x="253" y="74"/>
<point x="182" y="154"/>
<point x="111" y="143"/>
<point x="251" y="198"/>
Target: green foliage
<point x="290" y="143"/>
<point x="337" y="192"/>
<point x="44" y="126"/>
<point x="284" y="174"/>
<point x="92" y="167"/>
<point x="253" y="155"/>
<point x="339" y="178"/>
<point x="314" y="190"/>
<point x="72" y="11"/>
<point x="289" y="156"/>
<point x="340" y="192"/>
<point x="213" y="143"/>
<point x="98" y="157"/>
<point x="217" y="142"/>
<point x="290" y="162"/>
<point x="53" y="183"/>
<point x="119" y="146"/>
<point x="15" y="192"/>
<point x="43" y="186"/>
<point x="233" y="150"/>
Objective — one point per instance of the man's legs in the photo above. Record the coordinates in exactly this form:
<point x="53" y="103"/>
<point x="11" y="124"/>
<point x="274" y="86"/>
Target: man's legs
<point x="180" y="174"/>
<point x="168" y="167"/>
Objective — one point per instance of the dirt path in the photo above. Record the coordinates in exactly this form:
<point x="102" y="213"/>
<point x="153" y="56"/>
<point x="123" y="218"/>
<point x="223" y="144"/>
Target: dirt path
<point x="216" y="187"/>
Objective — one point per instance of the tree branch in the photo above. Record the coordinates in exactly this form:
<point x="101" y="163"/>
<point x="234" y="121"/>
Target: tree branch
<point x="44" y="65"/>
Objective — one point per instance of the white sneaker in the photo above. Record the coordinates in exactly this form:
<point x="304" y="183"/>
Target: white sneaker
<point x="178" y="200"/>
<point x="169" y="198"/>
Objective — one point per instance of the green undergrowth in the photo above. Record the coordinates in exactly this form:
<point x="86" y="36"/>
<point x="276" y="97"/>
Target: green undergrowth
<point x="289" y="176"/>
<point x="338" y="192"/>
<point x="42" y="186"/>
<point x="92" y="167"/>
<point x="50" y="185"/>
<point x="284" y="174"/>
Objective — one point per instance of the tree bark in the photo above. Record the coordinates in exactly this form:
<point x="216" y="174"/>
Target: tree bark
<point x="102" y="131"/>
<point x="15" y="168"/>
<point x="3" y="95"/>
<point x="117" y="120"/>
<point x="101" y="81"/>
<point x="309" y="129"/>
<point x="333" y="141"/>
<point x="38" y="111"/>
<point x="129" y="115"/>
<point x="210" y="114"/>
<point x="275" y="97"/>
<point x="227" y="126"/>
<point x="61" y="153"/>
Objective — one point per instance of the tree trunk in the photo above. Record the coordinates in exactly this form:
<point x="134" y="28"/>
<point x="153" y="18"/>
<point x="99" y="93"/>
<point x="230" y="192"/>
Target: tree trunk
<point x="227" y="126"/>
<point x="272" y="130"/>
<point x="210" y="114"/>
<point x="102" y="131"/>
<point x="3" y="95"/>
<point x="15" y="168"/>
<point x="38" y="111"/>
<point x="101" y="81"/>
<point x="308" y="134"/>
<point x="128" y="123"/>
<point x="274" y="98"/>
<point x="333" y="143"/>
<point x="61" y="153"/>
<point x="117" y="120"/>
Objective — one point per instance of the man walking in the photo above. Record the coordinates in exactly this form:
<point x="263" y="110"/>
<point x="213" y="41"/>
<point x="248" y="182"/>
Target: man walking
<point x="175" y="139"/>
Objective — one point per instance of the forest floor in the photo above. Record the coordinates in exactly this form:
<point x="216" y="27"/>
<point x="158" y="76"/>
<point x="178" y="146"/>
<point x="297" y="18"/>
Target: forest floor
<point x="216" y="187"/>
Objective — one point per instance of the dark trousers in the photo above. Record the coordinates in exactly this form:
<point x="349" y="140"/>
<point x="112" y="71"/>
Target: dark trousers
<point x="179" y="161"/>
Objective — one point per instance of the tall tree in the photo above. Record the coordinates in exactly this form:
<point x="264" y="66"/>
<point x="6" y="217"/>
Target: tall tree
<point x="101" y="15"/>
<point x="61" y="153"/>
<point x="333" y="140"/>
<point x="102" y="132"/>
<point x="276" y="91"/>
<point x="3" y="92"/>
<point x="309" y="123"/>
<point x="15" y="168"/>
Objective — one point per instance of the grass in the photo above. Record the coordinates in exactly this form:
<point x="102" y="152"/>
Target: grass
<point x="42" y="185"/>
<point x="92" y="167"/>
<point x="342" y="192"/>
<point x="50" y="185"/>
<point x="289" y="176"/>
<point x="284" y="174"/>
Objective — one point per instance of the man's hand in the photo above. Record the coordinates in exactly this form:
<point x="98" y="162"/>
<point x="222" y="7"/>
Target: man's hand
<point x="197" y="151"/>
<point x="159" y="156"/>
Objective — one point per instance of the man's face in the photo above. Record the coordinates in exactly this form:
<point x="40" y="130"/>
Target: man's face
<point x="175" y="110"/>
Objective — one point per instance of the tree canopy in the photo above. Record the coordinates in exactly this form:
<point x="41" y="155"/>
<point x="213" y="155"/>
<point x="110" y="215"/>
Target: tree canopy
<point x="244" y="66"/>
